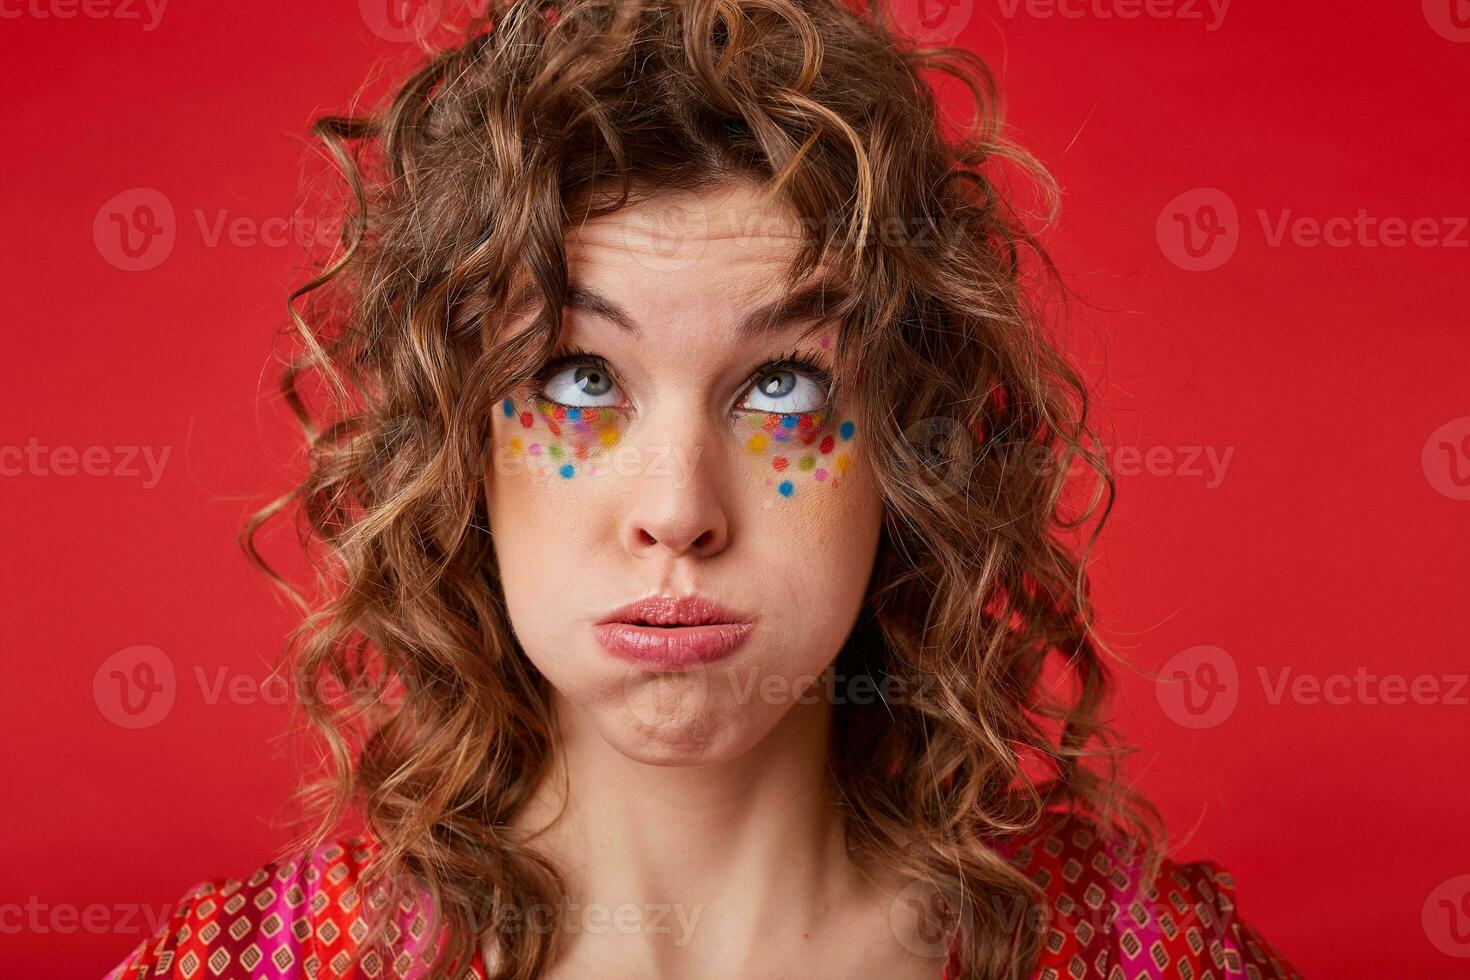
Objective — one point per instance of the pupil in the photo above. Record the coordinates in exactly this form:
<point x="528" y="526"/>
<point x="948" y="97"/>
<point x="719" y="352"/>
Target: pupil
<point x="587" y="385"/>
<point x="777" y="383"/>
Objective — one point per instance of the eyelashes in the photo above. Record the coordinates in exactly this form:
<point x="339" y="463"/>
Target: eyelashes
<point x="798" y="361"/>
<point x="792" y="360"/>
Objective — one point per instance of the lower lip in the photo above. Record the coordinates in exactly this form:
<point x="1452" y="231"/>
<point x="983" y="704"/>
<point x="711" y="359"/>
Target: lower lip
<point x="672" y="648"/>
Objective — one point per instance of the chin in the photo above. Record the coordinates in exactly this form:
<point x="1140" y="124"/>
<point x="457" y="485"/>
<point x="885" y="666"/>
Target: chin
<point x="668" y="720"/>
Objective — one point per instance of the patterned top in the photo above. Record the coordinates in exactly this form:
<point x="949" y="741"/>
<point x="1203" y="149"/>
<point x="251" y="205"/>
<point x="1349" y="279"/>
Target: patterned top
<point x="302" y="917"/>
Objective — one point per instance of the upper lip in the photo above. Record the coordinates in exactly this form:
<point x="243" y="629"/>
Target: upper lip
<point x="671" y="610"/>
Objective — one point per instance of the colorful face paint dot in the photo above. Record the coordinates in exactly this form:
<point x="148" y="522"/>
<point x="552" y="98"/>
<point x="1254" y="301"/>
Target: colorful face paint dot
<point x="574" y="414"/>
<point x="807" y="462"/>
<point x="535" y="449"/>
<point x="827" y="444"/>
<point x="826" y="341"/>
<point x="846" y="429"/>
<point x="787" y="488"/>
<point x="757" y="443"/>
<point x="515" y="444"/>
<point x="820" y="475"/>
<point x="609" y="437"/>
<point x="509" y="408"/>
<point x="789" y="421"/>
<point x="780" y="463"/>
<point x="567" y="471"/>
<point x="844" y="463"/>
<point x="554" y="450"/>
<point x="526" y="419"/>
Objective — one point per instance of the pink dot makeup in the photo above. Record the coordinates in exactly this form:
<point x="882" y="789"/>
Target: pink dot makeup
<point x="800" y="450"/>
<point x="558" y="440"/>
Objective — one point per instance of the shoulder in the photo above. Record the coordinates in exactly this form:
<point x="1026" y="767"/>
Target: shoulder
<point x="300" y="915"/>
<point x="1112" y="914"/>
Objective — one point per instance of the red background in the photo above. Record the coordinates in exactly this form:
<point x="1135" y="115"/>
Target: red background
<point x="1328" y="547"/>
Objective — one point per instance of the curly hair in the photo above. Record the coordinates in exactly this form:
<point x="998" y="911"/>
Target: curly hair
<point x="460" y="187"/>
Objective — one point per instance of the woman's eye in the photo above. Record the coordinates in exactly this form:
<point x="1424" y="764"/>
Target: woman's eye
<point x="786" y="391"/>
<point x="577" y="385"/>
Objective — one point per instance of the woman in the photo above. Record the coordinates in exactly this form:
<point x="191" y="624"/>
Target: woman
<point x="700" y="593"/>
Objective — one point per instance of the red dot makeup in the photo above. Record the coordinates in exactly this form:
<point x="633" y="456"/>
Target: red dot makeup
<point x="561" y="441"/>
<point x="802" y="450"/>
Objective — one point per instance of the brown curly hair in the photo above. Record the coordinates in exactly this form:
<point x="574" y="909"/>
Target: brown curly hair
<point x="437" y="725"/>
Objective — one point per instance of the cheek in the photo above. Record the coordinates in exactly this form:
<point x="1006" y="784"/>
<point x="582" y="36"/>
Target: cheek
<point x="796" y="457"/>
<point x="536" y="438"/>
<point x="820" y="511"/>
<point x="540" y="481"/>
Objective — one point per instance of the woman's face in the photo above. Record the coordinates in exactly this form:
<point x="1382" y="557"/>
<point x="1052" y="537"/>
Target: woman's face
<point x="678" y="455"/>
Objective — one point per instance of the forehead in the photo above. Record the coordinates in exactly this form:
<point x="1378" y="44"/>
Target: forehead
<point x="712" y="263"/>
<point x="721" y="243"/>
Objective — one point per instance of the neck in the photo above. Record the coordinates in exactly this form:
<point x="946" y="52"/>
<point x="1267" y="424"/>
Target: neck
<point x="753" y="844"/>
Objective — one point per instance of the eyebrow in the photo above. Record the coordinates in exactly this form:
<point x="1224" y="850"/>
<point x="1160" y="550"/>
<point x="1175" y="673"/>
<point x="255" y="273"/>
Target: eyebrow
<point x="806" y="302"/>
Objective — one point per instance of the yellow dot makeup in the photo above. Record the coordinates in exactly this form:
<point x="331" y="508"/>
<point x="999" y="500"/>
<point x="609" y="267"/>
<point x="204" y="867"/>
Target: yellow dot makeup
<point x="561" y="441"/>
<point x="801" y="451"/>
<point x="798" y="450"/>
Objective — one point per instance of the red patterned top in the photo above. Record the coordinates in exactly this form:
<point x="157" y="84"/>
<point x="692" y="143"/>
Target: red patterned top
<point x="303" y="917"/>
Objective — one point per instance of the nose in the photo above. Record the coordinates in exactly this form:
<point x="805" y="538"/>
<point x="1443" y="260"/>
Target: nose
<point x="676" y="505"/>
